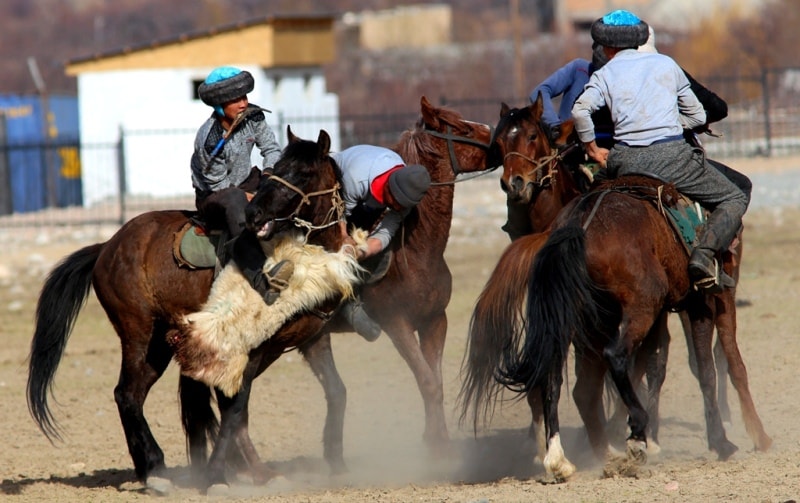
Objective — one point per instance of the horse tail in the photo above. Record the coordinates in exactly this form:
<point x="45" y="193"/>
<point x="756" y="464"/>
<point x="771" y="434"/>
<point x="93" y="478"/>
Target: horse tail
<point x="497" y="322"/>
<point x="63" y="295"/>
<point x="561" y="309"/>
<point x="200" y="423"/>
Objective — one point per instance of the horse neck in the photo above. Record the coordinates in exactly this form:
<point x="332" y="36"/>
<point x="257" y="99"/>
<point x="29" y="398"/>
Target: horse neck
<point x="549" y="203"/>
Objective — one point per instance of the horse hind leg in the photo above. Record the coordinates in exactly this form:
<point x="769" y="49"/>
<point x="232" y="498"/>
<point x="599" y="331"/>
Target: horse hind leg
<point x="555" y="461"/>
<point x="702" y="332"/>
<point x="726" y="333"/>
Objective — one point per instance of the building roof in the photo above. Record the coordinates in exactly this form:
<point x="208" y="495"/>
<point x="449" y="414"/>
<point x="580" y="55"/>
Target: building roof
<point x="267" y="41"/>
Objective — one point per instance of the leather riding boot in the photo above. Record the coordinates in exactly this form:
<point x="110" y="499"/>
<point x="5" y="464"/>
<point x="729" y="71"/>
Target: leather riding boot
<point x="353" y="311"/>
<point x="248" y="255"/>
<point x="704" y="269"/>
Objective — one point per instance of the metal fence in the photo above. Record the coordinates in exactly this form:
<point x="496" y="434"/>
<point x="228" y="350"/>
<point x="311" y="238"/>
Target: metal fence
<point x="763" y="120"/>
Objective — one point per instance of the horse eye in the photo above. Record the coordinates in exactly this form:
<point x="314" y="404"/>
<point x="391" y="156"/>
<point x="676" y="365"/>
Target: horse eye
<point x="532" y="137"/>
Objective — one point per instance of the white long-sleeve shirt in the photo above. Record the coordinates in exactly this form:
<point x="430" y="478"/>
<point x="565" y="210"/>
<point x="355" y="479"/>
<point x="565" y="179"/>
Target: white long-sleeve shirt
<point x="648" y="95"/>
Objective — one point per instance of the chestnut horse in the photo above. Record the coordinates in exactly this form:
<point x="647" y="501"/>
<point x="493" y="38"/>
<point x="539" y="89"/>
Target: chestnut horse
<point x="146" y="307"/>
<point x="534" y="174"/>
<point x="608" y="269"/>
<point x="409" y="302"/>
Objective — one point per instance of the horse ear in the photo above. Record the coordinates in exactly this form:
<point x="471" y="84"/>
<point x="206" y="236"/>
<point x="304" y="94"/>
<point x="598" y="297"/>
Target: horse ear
<point x="537" y="107"/>
<point x="565" y="129"/>
<point x="324" y="143"/>
<point x="429" y="113"/>
<point x="504" y="109"/>
<point x="292" y="138"/>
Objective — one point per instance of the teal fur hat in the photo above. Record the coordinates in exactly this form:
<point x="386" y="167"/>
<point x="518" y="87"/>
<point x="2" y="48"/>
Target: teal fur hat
<point x="620" y="29"/>
<point x="225" y="84"/>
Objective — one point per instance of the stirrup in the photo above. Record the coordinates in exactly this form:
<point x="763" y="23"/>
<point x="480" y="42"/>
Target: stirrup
<point x="279" y="275"/>
<point x="714" y="284"/>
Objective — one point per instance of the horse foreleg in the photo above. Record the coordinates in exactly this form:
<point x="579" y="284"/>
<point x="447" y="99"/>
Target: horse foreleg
<point x="199" y="421"/>
<point x="555" y="462"/>
<point x="424" y="359"/>
<point x="617" y="355"/>
<point x="233" y="411"/>
<point x="588" y="396"/>
<point x="702" y="332"/>
<point x="656" y="349"/>
<point x="320" y="358"/>
<point x="726" y="334"/>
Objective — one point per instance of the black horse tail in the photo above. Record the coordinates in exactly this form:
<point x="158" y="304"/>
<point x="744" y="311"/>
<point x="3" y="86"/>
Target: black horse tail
<point x="200" y="423"/>
<point x="63" y="295"/>
<point x="561" y="310"/>
<point x="497" y="323"/>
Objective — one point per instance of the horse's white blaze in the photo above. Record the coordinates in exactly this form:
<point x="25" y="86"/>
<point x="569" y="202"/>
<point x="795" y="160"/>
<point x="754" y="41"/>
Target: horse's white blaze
<point x="555" y="462"/>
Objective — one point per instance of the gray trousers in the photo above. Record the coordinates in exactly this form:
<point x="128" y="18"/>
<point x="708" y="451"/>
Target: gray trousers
<point x="686" y="167"/>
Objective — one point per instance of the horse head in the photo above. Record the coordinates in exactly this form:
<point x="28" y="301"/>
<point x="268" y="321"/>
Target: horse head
<point x="527" y="149"/>
<point x="443" y="138"/>
<point x="301" y="191"/>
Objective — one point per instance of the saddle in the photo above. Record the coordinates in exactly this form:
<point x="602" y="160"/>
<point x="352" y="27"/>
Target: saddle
<point x="685" y="216"/>
<point x="195" y="247"/>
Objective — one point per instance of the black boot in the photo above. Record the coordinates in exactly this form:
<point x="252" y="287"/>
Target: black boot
<point x="249" y="257"/>
<point x="705" y="271"/>
<point x="366" y="327"/>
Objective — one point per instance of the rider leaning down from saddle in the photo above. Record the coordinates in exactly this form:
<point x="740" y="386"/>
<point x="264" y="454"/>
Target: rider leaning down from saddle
<point x="652" y="143"/>
<point x="222" y="173"/>
<point x="379" y="186"/>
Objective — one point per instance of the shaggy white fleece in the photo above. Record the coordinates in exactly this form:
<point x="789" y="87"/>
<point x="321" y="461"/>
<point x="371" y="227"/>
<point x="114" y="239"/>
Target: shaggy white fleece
<point x="235" y="319"/>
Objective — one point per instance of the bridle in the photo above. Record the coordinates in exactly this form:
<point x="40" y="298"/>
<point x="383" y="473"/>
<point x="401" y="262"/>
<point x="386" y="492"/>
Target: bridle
<point x="453" y="138"/>
<point x="333" y="217"/>
<point x="549" y="162"/>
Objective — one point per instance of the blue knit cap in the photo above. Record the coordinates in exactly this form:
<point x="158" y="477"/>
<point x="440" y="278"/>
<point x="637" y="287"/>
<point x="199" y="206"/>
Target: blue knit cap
<point x="620" y="29"/>
<point x="225" y="84"/>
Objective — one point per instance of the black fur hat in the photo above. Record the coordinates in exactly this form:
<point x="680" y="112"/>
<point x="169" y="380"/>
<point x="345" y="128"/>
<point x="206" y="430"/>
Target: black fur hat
<point x="225" y="84"/>
<point x="620" y="29"/>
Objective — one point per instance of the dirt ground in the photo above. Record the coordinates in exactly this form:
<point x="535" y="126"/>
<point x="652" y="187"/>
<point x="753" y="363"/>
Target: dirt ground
<point x="384" y="421"/>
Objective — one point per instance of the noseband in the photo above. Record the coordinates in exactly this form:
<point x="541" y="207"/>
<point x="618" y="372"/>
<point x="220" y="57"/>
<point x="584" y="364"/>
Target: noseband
<point x="550" y="162"/>
<point x="451" y="138"/>
<point x="334" y="215"/>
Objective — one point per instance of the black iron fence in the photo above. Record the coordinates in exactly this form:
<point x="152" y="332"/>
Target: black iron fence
<point x="763" y="120"/>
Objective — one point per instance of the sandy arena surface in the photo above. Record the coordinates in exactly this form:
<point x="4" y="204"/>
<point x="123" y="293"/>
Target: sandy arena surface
<point x="384" y="421"/>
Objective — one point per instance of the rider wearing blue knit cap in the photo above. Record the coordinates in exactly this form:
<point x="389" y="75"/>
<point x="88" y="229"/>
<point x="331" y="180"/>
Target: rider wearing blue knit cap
<point x="222" y="173"/>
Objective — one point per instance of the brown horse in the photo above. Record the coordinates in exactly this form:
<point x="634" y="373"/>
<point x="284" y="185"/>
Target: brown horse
<point x="608" y="269"/>
<point x="535" y="174"/>
<point x="410" y="301"/>
<point x="145" y="295"/>
<point x="157" y="294"/>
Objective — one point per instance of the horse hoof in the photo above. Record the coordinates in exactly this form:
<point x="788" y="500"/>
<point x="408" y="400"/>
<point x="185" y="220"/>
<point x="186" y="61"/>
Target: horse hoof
<point x="218" y="490"/>
<point x="764" y="443"/>
<point x="636" y="451"/>
<point x="726" y="450"/>
<point x="158" y="485"/>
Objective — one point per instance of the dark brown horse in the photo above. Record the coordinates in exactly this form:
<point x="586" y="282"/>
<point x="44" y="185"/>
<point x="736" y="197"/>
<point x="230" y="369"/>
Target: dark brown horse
<point x="157" y="294"/>
<point x="145" y="295"/>
<point x="608" y="270"/>
<point x="535" y="175"/>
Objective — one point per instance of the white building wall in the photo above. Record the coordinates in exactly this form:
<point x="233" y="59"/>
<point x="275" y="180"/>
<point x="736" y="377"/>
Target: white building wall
<point x="156" y="112"/>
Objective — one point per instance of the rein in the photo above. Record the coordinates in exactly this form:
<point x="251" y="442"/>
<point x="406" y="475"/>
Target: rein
<point x="451" y="139"/>
<point x="334" y="215"/>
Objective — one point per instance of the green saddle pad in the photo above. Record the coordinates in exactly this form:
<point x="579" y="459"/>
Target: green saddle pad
<point x="687" y="218"/>
<point x="197" y="249"/>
